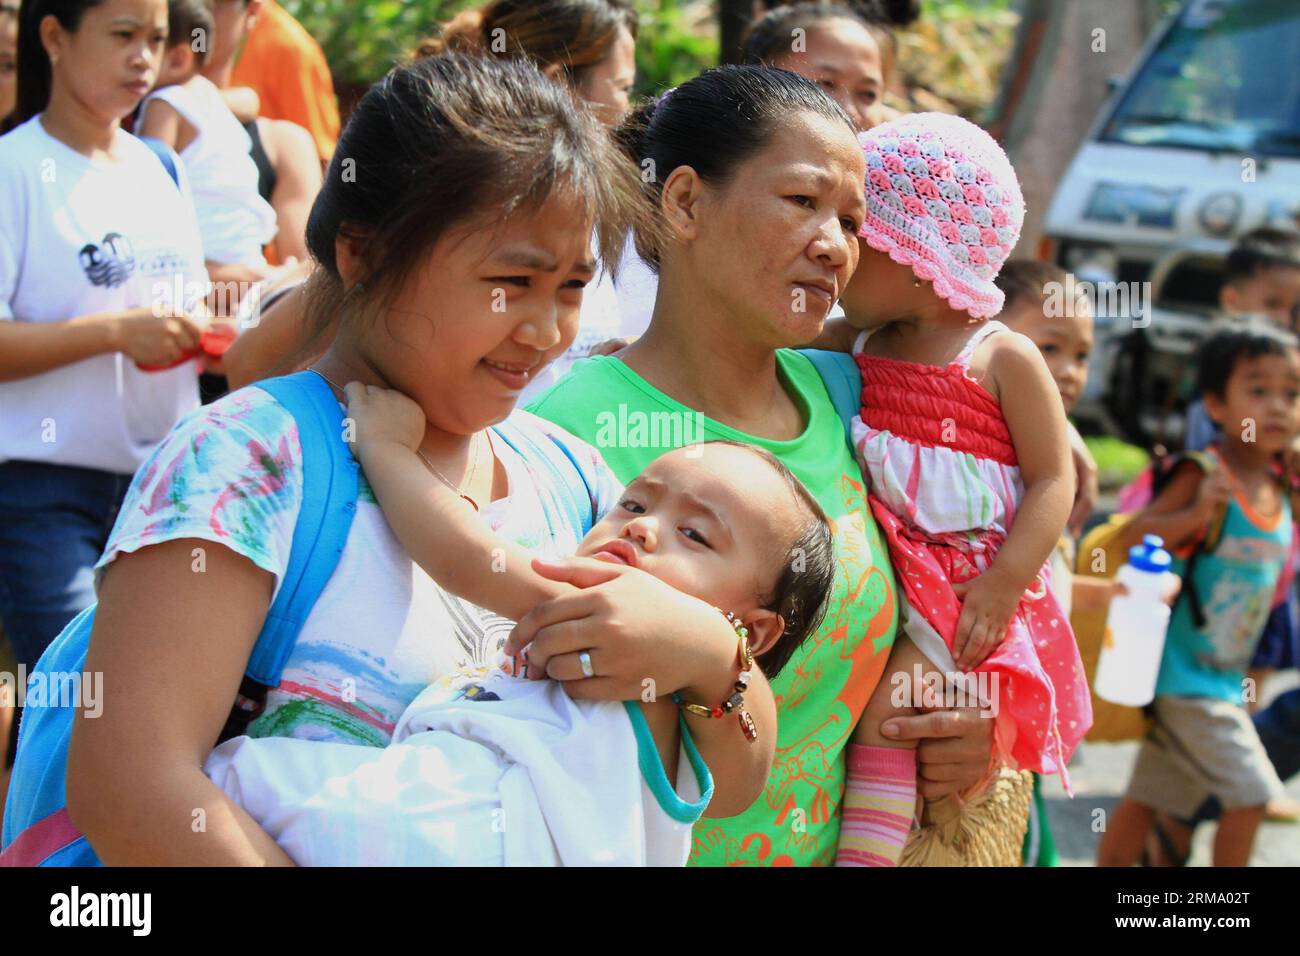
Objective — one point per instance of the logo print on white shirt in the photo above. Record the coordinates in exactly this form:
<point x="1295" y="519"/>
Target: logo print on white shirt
<point x="110" y="263"/>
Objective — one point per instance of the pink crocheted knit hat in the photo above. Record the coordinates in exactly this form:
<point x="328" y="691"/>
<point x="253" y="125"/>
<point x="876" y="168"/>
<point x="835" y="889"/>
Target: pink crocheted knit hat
<point x="942" y="198"/>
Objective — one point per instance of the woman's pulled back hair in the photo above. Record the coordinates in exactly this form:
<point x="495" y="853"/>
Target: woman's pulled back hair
<point x="773" y="33"/>
<point x="714" y="123"/>
<point x="574" y="34"/>
<point x="446" y="141"/>
<point x="35" y="75"/>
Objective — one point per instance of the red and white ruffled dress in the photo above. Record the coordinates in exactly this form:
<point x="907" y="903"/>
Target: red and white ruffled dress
<point x="945" y="485"/>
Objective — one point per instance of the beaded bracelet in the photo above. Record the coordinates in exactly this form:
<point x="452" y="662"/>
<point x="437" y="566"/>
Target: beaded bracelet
<point x="736" y="702"/>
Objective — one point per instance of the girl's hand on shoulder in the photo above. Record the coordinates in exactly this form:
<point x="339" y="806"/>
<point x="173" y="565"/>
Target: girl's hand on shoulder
<point x="634" y="628"/>
<point x="988" y="603"/>
<point x="382" y="416"/>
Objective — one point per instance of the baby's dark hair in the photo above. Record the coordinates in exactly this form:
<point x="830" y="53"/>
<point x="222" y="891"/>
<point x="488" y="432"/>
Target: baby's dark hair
<point x="1025" y="280"/>
<point x="1261" y="249"/>
<point x="188" y="21"/>
<point x="803" y="588"/>
<point x="1241" y="340"/>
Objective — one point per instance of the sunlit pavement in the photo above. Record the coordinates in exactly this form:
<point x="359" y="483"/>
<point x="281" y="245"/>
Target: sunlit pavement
<point x="1099" y="774"/>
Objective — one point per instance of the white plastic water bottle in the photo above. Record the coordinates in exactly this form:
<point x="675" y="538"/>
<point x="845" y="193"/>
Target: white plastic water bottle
<point x="1135" y="628"/>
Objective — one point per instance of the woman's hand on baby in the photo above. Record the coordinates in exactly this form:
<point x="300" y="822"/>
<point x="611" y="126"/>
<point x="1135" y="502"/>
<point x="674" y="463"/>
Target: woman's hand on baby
<point x="380" y="415"/>
<point x="634" y="627"/>
<point x="987" y="605"/>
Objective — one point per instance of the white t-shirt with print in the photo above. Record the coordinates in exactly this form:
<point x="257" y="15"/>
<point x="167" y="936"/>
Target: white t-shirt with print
<point x="80" y="236"/>
<point x="382" y="630"/>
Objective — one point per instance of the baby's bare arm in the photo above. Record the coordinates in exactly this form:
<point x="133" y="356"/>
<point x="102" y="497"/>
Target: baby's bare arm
<point x="444" y="537"/>
<point x="433" y="523"/>
<point x="1035" y="417"/>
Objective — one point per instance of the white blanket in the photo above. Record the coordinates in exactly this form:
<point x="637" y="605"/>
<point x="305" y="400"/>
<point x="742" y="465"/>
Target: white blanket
<point x="483" y="770"/>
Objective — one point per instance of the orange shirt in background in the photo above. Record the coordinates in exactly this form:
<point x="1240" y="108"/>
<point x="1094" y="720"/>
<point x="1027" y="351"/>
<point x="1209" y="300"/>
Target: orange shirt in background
<point x="287" y="68"/>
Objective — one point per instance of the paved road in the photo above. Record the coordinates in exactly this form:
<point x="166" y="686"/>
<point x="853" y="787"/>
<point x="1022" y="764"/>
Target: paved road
<point x="1100" y="772"/>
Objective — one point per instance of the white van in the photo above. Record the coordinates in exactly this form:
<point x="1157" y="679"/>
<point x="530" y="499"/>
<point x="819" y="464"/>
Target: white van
<point x="1198" y="145"/>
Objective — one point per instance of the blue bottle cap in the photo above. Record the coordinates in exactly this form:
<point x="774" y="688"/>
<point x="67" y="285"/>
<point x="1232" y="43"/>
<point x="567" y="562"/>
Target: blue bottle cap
<point x="1150" y="555"/>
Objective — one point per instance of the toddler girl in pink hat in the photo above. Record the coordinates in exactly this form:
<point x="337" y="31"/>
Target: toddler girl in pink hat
<point x="963" y="441"/>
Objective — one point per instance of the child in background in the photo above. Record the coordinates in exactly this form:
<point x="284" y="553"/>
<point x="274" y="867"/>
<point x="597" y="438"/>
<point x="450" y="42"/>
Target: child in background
<point x="1262" y="279"/>
<point x="1202" y="738"/>
<point x="971" y="488"/>
<point x="188" y="113"/>
<point x="493" y="768"/>
<point x="1065" y="341"/>
<point x="1262" y="282"/>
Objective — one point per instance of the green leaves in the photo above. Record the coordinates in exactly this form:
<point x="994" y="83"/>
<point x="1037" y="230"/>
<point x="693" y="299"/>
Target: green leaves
<point x="362" y="40"/>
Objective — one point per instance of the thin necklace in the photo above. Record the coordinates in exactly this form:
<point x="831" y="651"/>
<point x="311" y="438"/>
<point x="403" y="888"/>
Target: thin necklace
<point x="473" y="468"/>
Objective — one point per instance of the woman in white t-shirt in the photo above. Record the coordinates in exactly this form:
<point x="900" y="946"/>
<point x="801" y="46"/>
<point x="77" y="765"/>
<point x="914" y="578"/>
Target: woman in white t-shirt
<point x="99" y="257"/>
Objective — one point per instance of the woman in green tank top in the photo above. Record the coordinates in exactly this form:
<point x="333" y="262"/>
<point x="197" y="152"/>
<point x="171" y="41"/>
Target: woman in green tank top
<point x="757" y="179"/>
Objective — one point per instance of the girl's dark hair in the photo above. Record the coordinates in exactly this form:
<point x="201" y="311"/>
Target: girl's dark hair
<point x="1261" y="249"/>
<point x="1240" y="340"/>
<point x="771" y="34"/>
<point x="575" y="34"/>
<point x="184" y="17"/>
<point x="1025" y="280"/>
<point x="35" y="76"/>
<point x="713" y="124"/>
<point x="807" y="573"/>
<point x="445" y="140"/>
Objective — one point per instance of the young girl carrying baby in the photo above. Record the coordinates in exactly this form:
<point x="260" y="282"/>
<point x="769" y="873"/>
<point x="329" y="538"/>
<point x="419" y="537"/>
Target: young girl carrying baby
<point x="488" y="767"/>
<point x="963" y="440"/>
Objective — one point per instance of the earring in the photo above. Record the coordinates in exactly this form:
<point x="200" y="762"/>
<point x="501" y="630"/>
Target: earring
<point x="359" y="287"/>
<point x="916" y="283"/>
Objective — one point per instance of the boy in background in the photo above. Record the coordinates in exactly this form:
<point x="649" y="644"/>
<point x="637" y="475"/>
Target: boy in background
<point x="1261" y="279"/>
<point x="1202" y="738"/>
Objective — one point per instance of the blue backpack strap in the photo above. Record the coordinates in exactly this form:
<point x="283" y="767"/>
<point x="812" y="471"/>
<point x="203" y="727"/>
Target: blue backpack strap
<point x="37" y="830"/>
<point x="559" y="462"/>
<point x="843" y="383"/>
<point x="329" y="503"/>
<point x="166" y="155"/>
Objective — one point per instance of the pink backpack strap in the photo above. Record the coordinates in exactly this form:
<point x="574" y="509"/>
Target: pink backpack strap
<point x="979" y="335"/>
<point x="41" y="840"/>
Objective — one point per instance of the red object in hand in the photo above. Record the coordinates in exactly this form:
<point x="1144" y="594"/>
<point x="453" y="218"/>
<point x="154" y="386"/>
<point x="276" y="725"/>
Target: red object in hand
<point x="213" y="342"/>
